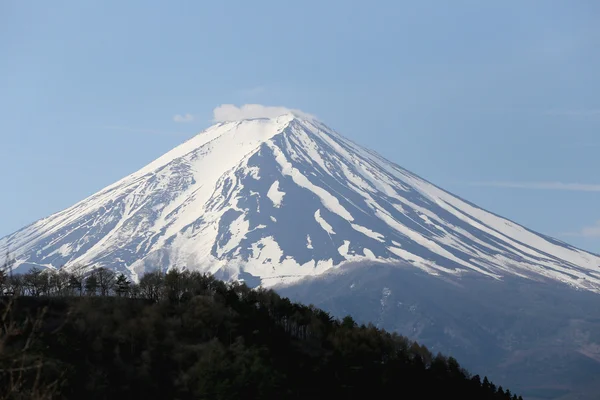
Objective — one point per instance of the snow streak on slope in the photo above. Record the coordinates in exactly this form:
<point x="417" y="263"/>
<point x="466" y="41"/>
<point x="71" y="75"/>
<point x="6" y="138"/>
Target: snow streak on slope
<point x="276" y="200"/>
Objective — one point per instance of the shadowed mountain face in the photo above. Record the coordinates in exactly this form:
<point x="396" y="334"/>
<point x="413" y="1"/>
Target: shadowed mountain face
<point x="288" y="201"/>
<point x="539" y="338"/>
<point x="277" y="200"/>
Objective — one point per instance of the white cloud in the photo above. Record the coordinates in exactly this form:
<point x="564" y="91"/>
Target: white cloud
<point x="591" y="231"/>
<point x="588" y="231"/>
<point x="183" y="118"/>
<point x="576" y="187"/>
<point x="230" y="112"/>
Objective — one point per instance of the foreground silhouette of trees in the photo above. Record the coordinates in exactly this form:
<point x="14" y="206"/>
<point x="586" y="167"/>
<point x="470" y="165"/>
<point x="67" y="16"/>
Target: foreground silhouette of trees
<point x="184" y="335"/>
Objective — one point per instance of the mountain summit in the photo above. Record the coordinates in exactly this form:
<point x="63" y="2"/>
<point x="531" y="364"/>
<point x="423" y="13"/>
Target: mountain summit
<point x="274" y="200"/>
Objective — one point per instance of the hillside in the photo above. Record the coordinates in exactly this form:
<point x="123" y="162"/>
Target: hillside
<point x="541" y="339"/>
<point x="189" y="336"/>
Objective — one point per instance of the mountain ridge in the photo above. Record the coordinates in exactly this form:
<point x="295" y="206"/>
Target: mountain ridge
<point x="279" y="199"/>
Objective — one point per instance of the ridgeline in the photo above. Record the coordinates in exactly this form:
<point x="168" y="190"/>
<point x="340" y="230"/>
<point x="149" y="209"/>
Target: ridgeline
<point x="184" y="335"/>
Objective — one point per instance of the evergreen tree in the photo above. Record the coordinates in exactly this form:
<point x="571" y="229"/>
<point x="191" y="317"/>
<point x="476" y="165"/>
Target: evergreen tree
<point x="122" y="285"/>
<point x="348" y="322"/>
<point x="486" y="383"/>
<point x="500" y="391"/>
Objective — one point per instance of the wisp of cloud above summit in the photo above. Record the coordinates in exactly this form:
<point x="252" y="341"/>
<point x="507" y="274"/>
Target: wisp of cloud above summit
<point x="231" y="112"/>
<point x="181" y="118"/>
<point x="576" y="187"/>
<point x="592" y="231"/>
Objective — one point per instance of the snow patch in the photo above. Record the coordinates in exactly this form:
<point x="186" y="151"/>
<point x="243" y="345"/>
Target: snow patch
<point x="369" y="254"/>
<point x="328" y="228"/>
<point x="275" y="195"/>
<point x="343" y="249"/>
<point x="367" y="232"/>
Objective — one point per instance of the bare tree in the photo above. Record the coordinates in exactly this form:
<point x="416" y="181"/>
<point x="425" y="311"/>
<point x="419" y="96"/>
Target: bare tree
<point x="6" y="272"/>
<point x="134" y="291"/>
<point x="173" y="284"/>
<point x="151" y="285"/>
<point x="15" y="285"/>
<point x="45" y="282"/>
<point x="106" y="280"/>
<point x="33" y="281"/>
<point x="3" y="281"/>
<point x="59" y="282"/>
<point x="91" y="284"/>
<point x="76" y="278"/>
<point x="22" y="370"/>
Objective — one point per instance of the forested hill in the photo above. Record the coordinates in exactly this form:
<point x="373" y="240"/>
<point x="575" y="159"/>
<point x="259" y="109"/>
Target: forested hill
<point x="189" y="336"/>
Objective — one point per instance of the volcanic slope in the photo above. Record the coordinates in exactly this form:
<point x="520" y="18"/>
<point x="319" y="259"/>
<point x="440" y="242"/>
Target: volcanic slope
<point x="274" y="200"/>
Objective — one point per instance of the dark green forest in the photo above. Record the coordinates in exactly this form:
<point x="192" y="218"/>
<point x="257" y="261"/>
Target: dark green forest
<point x="184" y="335"/>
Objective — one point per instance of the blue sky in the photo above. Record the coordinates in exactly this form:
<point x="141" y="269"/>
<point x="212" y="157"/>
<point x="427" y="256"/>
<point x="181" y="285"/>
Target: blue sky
<point x="495" y="101"/>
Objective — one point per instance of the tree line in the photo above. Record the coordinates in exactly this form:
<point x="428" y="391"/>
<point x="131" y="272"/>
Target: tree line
<point x="186" y="335"/>
<point x="77" y="282"/>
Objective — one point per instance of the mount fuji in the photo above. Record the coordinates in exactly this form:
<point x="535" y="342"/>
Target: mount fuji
<point x="288" y="203"/>
<point x="275" y="200"/>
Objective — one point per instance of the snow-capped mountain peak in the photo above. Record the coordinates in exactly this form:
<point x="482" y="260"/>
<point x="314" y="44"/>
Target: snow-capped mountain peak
<point x="274" y="200"/>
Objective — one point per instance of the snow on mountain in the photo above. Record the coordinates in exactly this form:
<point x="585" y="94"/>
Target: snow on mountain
<point x="279" y="199"/>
